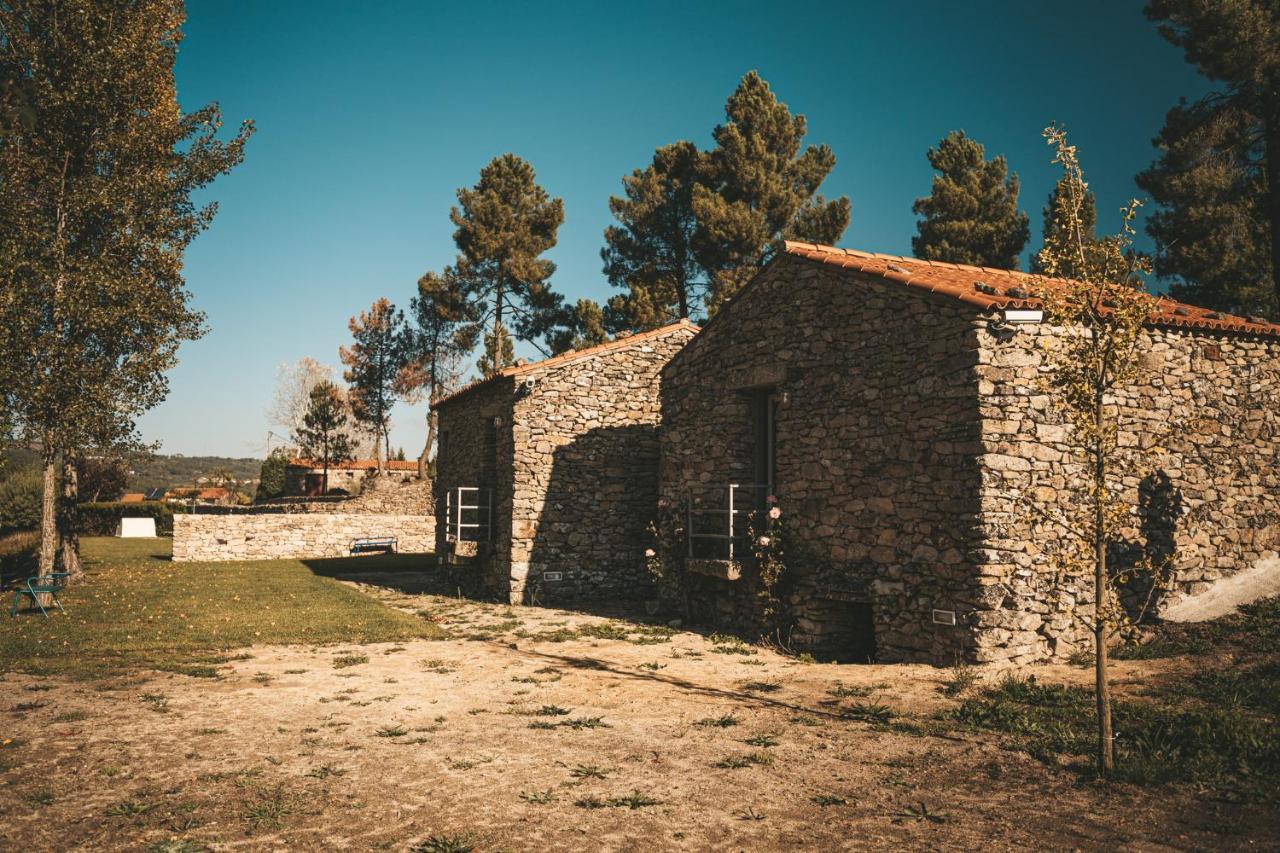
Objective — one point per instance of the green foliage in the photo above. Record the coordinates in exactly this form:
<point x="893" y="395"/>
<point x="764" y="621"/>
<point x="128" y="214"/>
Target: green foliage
<point x="96" y="212"/>
<point x="504" y="225"/>
<point x="583" y="326"/>
<point x="759" y="190"/>
<point x="18" y="554"/>
<point x="160" y="471"/>
<point x="441" y="329"/>
<point x="374" y="362"/>
<point x="1059" y="216"/>
<point x="20" y="494"/>
<point x="323" y="438"/>
<point x="971" y="216"/>
<point x="101" y="478"/>
<point x="103" y="519"/>
<point x="650" y="252"/>
<point x="498" y="353"/>
<point x="1214" y="181"/>
<point x="271" y="476"/>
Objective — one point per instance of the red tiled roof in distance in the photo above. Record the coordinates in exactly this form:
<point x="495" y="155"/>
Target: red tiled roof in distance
<point x="563" y="358"/>
<point x="993" y="289"/>
<point x="132" y="498"/>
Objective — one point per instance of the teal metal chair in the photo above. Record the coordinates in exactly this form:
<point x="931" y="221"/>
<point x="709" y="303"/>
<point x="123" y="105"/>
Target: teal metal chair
<point x="35" y="587"/>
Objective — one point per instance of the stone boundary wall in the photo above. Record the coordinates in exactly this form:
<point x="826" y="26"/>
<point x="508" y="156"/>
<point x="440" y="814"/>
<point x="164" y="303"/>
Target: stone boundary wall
<point x="283" y="536"/>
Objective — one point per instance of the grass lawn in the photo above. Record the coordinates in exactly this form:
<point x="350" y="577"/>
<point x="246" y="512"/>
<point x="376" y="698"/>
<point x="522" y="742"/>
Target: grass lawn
<point x="138" y="608"/>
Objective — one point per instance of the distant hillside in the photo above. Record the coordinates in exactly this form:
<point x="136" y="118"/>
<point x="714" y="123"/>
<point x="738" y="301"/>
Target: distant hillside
<point x="166" y="472"/>
<point x="161" y="471"/>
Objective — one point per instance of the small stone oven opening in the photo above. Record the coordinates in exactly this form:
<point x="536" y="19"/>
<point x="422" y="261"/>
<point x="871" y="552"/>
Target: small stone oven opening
<point x="845" y="631"/>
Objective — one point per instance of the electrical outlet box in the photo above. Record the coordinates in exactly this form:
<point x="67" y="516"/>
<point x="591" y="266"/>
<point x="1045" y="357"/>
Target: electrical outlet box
<point x="944" y="617"/>
<point x="552" y="576"/>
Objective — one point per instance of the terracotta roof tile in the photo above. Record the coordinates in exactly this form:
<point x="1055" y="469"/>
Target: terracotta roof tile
<point x="557" y="360"/>
<point x="992" y="289"/>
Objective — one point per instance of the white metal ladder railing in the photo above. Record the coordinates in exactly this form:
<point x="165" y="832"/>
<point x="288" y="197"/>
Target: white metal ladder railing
<point x="718" y="518"/>
<point x="468" y="514"/>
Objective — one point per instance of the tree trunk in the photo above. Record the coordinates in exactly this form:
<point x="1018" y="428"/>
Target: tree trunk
<point x="425" y="458"/>
<point x="48" y="520"/>
<point x="1102" y="686"/>
<point x="496" y="352"/>
<point x="68" y="520"/>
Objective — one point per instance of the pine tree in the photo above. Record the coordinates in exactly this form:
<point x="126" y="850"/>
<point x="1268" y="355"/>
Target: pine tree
<point x="760" y="189"/>
<point x="323" y="437"/>
<point x="97" y="175"/>
<point x="584" y="327"/>
<point x="498" y="353"/>
<point x="971" y="216"/>
<point x="373" y="363"/>
<point x="442" y="329"/>
<point x="1061" y="214"/>
<point x="504" y="224"/>
<point x="650" y="252"/>
<point x="1215" y="181"/>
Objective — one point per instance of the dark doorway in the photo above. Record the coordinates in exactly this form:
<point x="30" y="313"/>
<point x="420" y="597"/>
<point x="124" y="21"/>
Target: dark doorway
<point x="848" y="632"/>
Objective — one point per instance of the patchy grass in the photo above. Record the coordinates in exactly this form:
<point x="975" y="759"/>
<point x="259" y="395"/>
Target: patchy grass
<point x="1216" y="729"/>
<point x="139" y="609"/>
<point x="1254" y="630"/>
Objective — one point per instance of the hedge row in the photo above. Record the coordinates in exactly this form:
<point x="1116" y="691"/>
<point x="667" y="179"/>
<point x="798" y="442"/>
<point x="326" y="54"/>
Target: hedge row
<point x="103" y="518"/>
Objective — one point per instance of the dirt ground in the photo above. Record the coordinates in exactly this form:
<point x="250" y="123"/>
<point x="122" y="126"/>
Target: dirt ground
<point x="511" y="737"/>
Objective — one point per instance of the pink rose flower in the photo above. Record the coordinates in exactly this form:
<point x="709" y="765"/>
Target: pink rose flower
<point x="764" y="540"/>
<point x="771" y="499"/>
<point x="775" y="513"/>
<point x="648" y="552"/>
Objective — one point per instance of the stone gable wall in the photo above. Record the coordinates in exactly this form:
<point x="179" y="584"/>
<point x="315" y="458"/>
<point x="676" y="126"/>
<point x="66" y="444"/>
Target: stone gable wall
<point x="585" y="441"/>
<point x="281" y="536"/>
<point x="1213" y="506"/>
<point x="464" y="459"/>
<point x="877" y="450"/>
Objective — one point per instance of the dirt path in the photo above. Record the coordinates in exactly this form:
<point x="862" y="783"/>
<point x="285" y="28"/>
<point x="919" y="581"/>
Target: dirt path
<point x="523" y="734"/>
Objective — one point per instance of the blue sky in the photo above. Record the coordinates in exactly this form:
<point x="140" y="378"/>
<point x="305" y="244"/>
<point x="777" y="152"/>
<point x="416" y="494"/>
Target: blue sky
<point x="371" y="115"/>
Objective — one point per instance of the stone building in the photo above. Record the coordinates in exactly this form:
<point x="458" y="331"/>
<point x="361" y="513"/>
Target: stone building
<point x="547" y="472"/>
<point x="893" y="407"/>
<point x="303" y="478"/>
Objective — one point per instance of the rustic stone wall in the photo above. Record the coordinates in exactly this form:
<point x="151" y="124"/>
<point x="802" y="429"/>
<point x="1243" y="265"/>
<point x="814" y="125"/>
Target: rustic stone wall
<point x="573" y="466"/>
<point x="876" y="469"/>
<point x="1212" y="506"/>
<point x="475" y="449"/>
<point x="586" y="473"/>
<point x="279" y="536"/>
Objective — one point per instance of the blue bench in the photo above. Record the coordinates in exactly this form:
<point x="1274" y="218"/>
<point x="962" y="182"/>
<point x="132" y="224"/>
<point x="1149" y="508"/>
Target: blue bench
<point x="50" y="584"/>
<point x="367" y="546"/>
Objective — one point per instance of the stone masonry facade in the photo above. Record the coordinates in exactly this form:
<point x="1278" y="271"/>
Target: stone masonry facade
<point x="569" y="449"/>
<point x="385" y="509"/>
<point x="916" y="457"/>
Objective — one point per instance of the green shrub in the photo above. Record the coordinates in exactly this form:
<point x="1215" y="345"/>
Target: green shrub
<point x="102" y="519"/>
<point x="19" y="553"/>
<point x="20" y="495"/>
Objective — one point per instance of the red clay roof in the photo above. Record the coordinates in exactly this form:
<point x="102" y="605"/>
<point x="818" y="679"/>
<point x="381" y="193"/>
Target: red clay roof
<point x="357" y="464"/>
<point x="563" y="358"/>
<point x="991" y="289"/>
<point x="216" y="493"/>
<point x="132" y="498"/>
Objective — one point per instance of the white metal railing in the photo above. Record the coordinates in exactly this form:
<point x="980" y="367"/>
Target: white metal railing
<point x="468" y="514"/>
<point x="719" y="519"/>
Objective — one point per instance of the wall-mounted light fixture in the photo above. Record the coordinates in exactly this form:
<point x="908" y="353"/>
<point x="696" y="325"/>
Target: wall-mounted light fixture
<point x="1023" y="315"/>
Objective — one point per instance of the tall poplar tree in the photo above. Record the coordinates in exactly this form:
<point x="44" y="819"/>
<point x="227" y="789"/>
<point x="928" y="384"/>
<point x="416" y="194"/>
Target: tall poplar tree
<point x="650" y="251"/>
<point x="760" y="189"/>
<point x="97" y="174"/>
<point x="1216" y="180"/>
<point x="374" y="361"/>
<point x="1063" y="213"/>
<point x="441" y="330"/>
<point x="504" y="224"/>
<point x="971" y="216"/>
